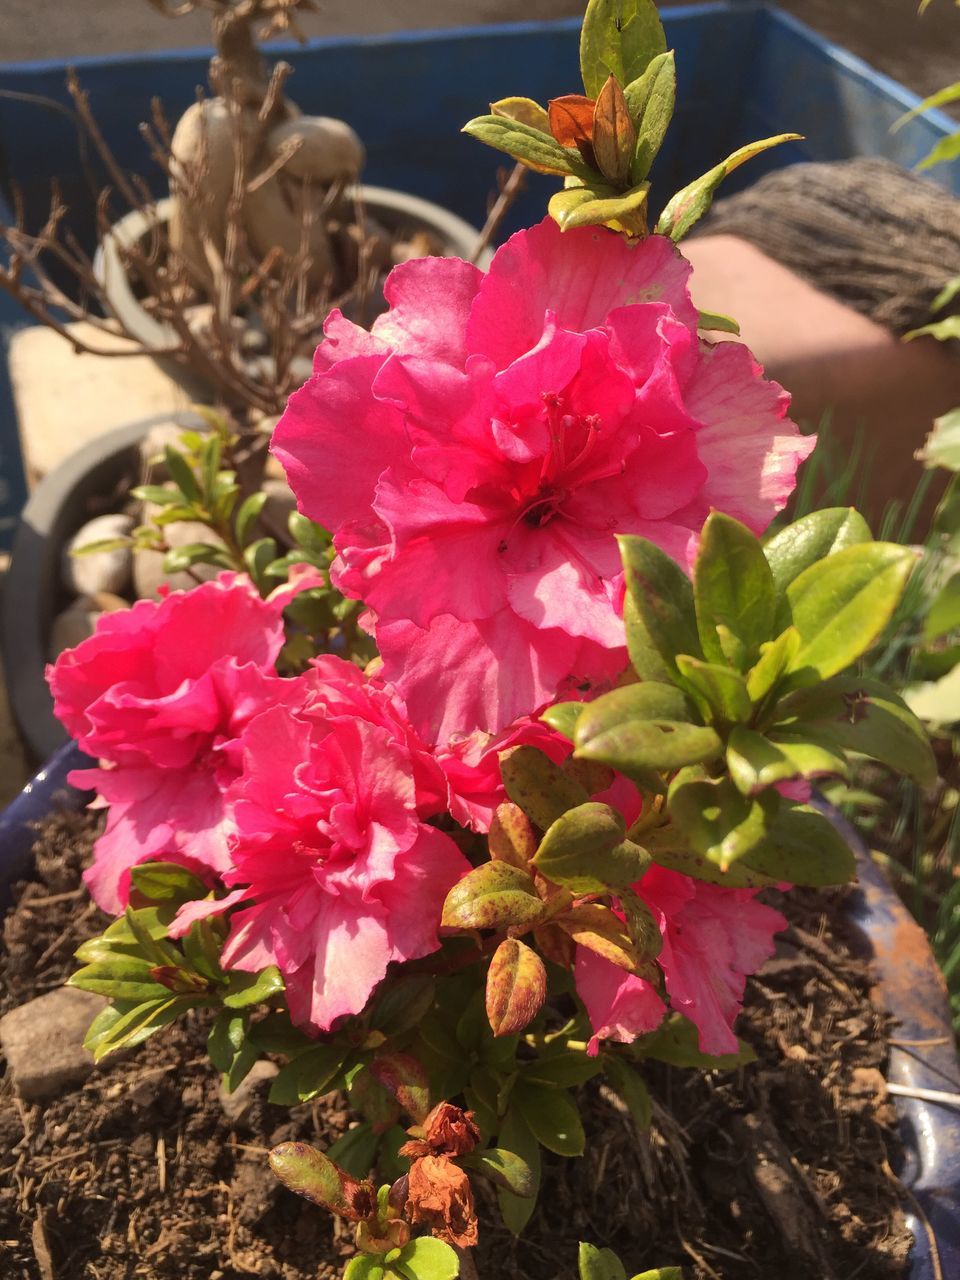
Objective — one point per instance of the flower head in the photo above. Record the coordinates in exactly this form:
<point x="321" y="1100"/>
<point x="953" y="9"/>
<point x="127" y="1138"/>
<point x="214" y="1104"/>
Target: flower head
<point x="475" y="454"/>
<point x="713" y="939"/>
<point x="335" y="870"/>
<point x="160" y="694"/>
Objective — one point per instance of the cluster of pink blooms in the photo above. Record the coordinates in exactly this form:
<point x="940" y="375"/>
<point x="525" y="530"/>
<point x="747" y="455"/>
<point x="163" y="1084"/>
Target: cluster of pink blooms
<point x="473" y="456"/>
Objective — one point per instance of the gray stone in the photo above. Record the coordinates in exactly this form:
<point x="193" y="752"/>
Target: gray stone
<point x="148" y="574"/>
<point x="238" y="1105"/>
<point x="101" y="570"/>
<point x="76" y="623"/>
<point x="42" y="1042"/>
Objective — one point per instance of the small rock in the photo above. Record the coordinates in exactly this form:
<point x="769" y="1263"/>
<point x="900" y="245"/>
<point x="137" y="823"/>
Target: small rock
<point x="143" y="1091"/>
<point x="148" y="574"/>
<point x="101" y="570"/>
<point x="42" y="1042"/>
<point x="238" y="1105"/>
<point x="78" y="622"/>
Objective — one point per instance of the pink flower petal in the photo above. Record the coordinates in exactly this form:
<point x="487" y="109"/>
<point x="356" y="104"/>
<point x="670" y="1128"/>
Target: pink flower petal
<point x="580" y="275"/>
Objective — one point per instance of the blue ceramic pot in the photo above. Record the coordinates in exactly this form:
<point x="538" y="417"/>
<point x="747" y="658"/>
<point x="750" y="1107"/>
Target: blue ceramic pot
<point x="911" y="987"/>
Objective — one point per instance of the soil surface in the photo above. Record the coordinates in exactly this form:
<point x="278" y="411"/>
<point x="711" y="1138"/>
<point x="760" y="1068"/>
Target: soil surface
<point x="780" y="1169"/>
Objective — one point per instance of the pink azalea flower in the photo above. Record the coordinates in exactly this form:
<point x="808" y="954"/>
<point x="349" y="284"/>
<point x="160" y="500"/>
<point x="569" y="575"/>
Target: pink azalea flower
<point x="160" y="694"/>
<point x="713" y="939"/>
<point x="337" y="872"/>
<point x="472" y="769"/>
<point x="477" y="451"/>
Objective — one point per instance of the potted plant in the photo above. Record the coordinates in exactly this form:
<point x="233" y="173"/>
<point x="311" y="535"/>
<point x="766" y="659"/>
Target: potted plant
<point x="547" y="827"/>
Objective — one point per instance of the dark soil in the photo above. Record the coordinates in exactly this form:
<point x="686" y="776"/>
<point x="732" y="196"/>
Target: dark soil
<point x="778" y="1170"/>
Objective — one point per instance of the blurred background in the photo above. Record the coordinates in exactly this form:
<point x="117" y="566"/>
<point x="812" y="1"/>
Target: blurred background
<point x="923" y="55"/>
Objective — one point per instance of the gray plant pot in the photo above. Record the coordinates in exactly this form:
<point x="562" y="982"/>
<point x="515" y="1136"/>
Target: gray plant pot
<point x="394" y="210"/>
<point x="33" y="593"/>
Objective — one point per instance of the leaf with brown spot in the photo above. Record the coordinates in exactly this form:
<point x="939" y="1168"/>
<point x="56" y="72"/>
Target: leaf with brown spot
<point x="404" y="1077"/>
<point x="511" y="837"/>
<point x="516" y="987"/>
<point x="308" y="1172"/>
<point x="614" y="134"/>
<point x="597" y="928"/>
<point x="495" y="895"/>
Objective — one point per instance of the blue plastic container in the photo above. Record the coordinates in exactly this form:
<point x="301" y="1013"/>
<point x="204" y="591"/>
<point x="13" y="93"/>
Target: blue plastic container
<point x="911" y="987"/>
<point x="746" y="71"/>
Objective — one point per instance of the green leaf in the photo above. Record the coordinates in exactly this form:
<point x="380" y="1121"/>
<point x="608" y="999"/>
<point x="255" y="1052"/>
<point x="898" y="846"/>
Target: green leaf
<point x="689" y="205"/>
<point x="600" y="722"/>
<point x="427" y="1259"/>
<point x="756" y="762"/>
<point x="160" y="495"/>
<point x="718" y="822"/>
<point x="732" y="587"/>
<point x="101" y="544"/>
<point x="804" y="848"/>
<point x="504" y="1168"/>
<point x="937" y="701"/>
<point x="942" y="98"/>
<point x="945" y="152"/>
<point x="494" y="895"/>
<point x="724" y="691"/>
<point x="120" y="977"/>
<point x="599" y="1264"/>
<point x="257" y="556"/>
<point x="715" y="322"/>
<point x="515" y="1136"/>
<point x="677" y="1042"/>
<point x="525" y="110"/>
<point x="552" y="1117"/>
<point x="538" y="786"/>
<point x="563" y="717"/>
<point x="129" y="1022"/>
<point x="586" y="852"/>
<point x="865" y="717"/>
<point x="644" y="655"/>
<point x="308" y="1075"/>
<point x="812" y="538"/>
<point x="842" y="604"/>
<point x="365" y="1266"/>
<point x="166" y="882"/>
<point x="181" y="474"/>
<point x="181" y="558"/>
<point x="654" y="744"/>
<point x="516" y="987"/>
<point x="589" y="213"/>
<point x="942" y="446"/>
<point x="776" y="659"/>
<point x="619" y="38"/>
<point x="652" y="99"/>
<point x="530" y="146"/>
<point x="663" y="598"/>
<point x="630" y="1085"/>
<point x="401" y="1001"/>
<point x="247" y="516"/>
<point x="946" y="295"/>
<point x="356" y="1150"/>
<point x="688" y="863"/>
<point x="245" y="989"/>
<point x="226" y="1039"/>
<point x="944" y="613"/>
<point x="561" y="1070"/>
<point x="661" y="1273"/>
